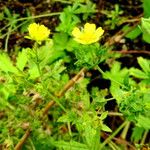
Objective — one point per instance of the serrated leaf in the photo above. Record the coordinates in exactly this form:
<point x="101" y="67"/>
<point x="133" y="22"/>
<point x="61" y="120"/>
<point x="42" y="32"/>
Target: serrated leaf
<point x="145" y="27"/>
<point x="116" y="72"/>
<point x="22" y="59"/>
<point x="33" y="71"/>
<point x="144" y="64"/>
<point x="69" y="117"/>
<point x="6" y="65"/>
<point x="138" y="73"/>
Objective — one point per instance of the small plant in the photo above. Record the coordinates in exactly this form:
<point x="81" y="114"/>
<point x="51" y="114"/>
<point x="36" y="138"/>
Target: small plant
<point x="49" y="95"/>
<point x="113" y="16"/>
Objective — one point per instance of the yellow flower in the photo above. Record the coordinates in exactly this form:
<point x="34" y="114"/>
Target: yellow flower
<point x="38" y="32"/>
<point x="88" y="35"/>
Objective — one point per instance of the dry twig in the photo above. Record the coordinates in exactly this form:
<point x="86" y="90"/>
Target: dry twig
<point x="22" y="140"/>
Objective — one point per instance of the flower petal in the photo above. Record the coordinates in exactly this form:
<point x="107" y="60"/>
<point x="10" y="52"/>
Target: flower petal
<point x="88" y="35"/>
<point x="89" y="28"/>
<point x="76" y="32"/>
<point x="99" y="31"/>
<point x="38" y="32"/>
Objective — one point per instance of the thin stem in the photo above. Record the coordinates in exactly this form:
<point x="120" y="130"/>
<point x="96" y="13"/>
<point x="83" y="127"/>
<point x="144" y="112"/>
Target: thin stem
<point x="109" y="99"/>
<point x="113" y="135"/>
<point x="125" y="130"/>
<point x="103" y="73"/>
<point x="57" y="101"/>
<point x="37" y="58"/>
<point x="39" y="16"/>
<point x="32" y="145"/>
<point x="72" y="82"/>
<point x="144" y="137"/>
<point x="63" y="1"/>
<point x="114" y="146"/>
<point x="7" y="38"/>
<point x="13" y="29"/>
<point x="69" y="129"/>
<point x="27" y="18"/>
<point x="115" y="114"/>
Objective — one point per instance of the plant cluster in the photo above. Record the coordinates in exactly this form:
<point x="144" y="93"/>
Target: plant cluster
<point x="45" y="99"/>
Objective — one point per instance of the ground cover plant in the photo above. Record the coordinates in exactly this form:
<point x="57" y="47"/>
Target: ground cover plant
<point x="74" y="75"/>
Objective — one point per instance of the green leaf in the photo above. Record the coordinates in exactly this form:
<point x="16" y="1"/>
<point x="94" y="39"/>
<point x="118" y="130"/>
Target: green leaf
<point x="72" y="145"/>
<point x="132" y="34"/>
<point x="1" y="16"/>
<point x="116" y="72"/>
<point x="68" y="20"/>
<point x="106" y="128"/>
<point x="137" y="134"/>
<point x="33" y="71"/>
<point x="145" y="26"/>
<point x="138" y="73"/>
<point x="146" y="7"/>
<point x="145" y="64"/>
<point x="104" y="115"/>
<point x="143" y="122"/>
<point x="69" y="117"/>
<point x="60" y="44"/>
<point x="6" y="65"/>
<point x="22" y="59"/>
<point x="87" y="9"/>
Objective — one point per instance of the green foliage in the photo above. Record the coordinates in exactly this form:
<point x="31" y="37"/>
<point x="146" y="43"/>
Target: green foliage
<point x="146" y="7"/>
<point x="11" y="17"/>
<point x="113" y="17"/>
<point x="145" y="29"/>
<point x="89" y="56"/>
<point x="22" y="60"/>
<point x="145" y="72"/>
<point x="133" y="34"/>
<point x="71" y="145"/>
<point x="6" y="64"/>
<point x="137" y="134"/>
<point x="143" y="122"/>
<point x="31" y="78"/>
<point x="69" y="17"/>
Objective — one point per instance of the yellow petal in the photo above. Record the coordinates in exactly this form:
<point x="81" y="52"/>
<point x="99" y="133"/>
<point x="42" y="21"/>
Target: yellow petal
<point x="38" y="32"/>
<point x="89" y="34"/>
<point x="89" y="28"/>
<point x="99" y="32"/>
<point x="76" y="32"/>
<point x="32" y="28"/>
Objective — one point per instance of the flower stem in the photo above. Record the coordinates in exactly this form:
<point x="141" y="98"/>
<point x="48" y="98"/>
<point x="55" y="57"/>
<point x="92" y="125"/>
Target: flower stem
<point x="37" y="58"/>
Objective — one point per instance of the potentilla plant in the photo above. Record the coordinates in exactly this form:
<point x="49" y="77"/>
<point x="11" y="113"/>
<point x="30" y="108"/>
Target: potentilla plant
<point x="39" y="78"/>
<point x="88" y="51"/>
<point x="28" y="84"/>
